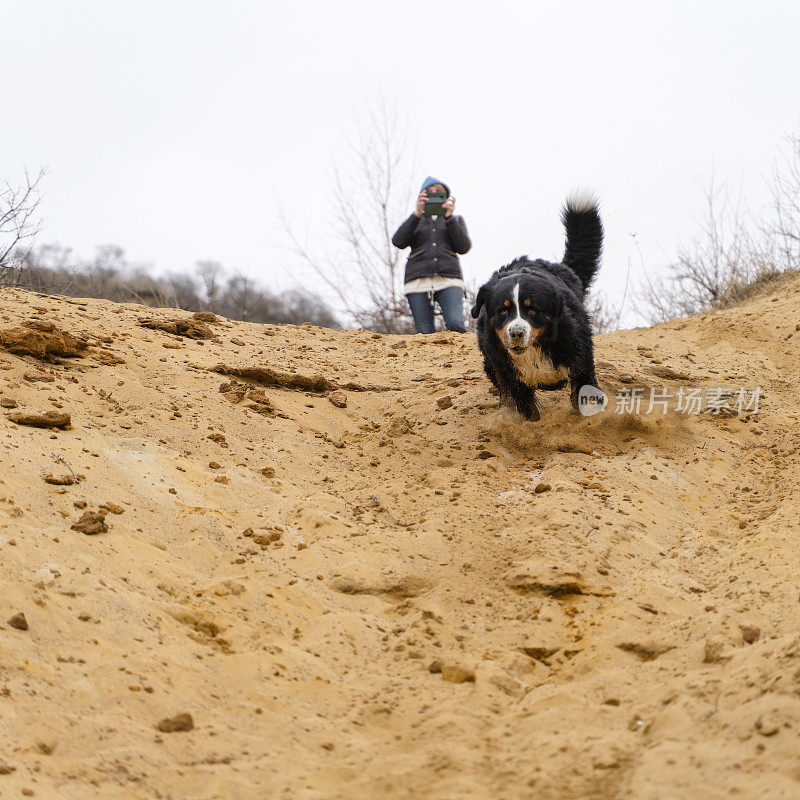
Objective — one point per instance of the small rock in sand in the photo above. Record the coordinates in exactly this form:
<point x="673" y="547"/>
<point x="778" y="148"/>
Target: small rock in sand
<point x="19" y="622"/>
<point x="338" y="398"/>
<point x="113" y="508"/>
<point x="265" y="539"/>
<point x="33" y="377"/>
<point x="399" y="426"/>
<point x="456" y="674"/>
<point x="91" y="522"/>
<point x="542" y="487"/>
<point x="444" y="402"/>
<point x="176" y="724"/>
<point x="191" y="328"/>
<point x="41" y="340"/>
<point x="750" y="633"/>
<point x="59" y="480"/>
<point x="47" y="419"/>
<point x="7" y="402"/>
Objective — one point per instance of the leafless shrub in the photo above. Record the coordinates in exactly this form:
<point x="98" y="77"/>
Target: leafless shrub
<point x="53" y="269"/>
<point x="210" y="273"/>
<point x="356" y="261"/>
<point x="736" y="254"/>
<point x="604" y="317"/>
<point x="783" y="228"/>
<point x="19" y="223"/>
<point x="704" y="270"/>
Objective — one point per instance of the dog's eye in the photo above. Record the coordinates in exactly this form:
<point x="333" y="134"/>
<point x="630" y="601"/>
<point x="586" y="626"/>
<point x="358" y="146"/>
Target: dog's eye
<point x="503" y="311"/>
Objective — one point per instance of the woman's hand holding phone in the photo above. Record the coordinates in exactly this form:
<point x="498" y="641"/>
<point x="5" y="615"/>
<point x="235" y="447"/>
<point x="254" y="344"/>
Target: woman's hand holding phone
<point x="423" y="196"/>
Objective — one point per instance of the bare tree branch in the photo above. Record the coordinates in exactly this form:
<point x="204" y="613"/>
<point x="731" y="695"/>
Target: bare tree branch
<point x="359" y="264"/>
<point x="19" y="223"/>
<point x="734" y="252"/>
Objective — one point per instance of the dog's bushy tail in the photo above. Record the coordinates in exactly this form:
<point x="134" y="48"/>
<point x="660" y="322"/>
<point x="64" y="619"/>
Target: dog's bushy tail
<point x="581" y="218"/>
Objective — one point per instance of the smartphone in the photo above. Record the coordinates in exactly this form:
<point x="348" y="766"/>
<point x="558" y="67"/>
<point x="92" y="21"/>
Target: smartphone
<point x="433" y="205"/>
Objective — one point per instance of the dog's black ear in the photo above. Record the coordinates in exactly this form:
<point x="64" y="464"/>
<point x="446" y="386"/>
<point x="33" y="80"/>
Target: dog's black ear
<point x="483" y="294"/>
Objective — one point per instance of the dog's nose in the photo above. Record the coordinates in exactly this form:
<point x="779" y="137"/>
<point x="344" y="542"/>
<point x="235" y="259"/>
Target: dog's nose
<point x="516" y="334"/>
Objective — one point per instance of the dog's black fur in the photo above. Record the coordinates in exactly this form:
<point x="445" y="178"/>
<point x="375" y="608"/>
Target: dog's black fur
<point x="548" y="314"/>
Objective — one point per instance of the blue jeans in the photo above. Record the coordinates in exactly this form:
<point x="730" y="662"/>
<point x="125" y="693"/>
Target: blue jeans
<point x="450" y="300"/>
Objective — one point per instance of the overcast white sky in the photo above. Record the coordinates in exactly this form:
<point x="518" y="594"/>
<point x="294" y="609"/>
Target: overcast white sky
<point x="174" y="128"/>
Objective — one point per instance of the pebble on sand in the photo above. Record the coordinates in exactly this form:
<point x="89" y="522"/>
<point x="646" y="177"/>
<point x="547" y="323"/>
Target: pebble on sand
<point x="47" y="419"/>
<point x="338" y="398"/>
<point x="59" y="480"/>
<point x="19" y="622"/>
<point x="750" y="633"/>
<point x="176" y="724"/>
<point x="456" y="674"/>
<point x="91" y="522"/>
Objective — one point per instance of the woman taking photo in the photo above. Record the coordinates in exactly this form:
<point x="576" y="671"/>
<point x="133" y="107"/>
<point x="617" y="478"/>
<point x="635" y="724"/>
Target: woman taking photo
<point x="433" y="272"/>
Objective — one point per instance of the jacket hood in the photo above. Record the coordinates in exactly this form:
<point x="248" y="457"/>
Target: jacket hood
<point x="430" y="180"/>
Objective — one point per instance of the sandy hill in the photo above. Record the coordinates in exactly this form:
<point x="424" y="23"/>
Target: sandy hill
<point x="361" y="580"/>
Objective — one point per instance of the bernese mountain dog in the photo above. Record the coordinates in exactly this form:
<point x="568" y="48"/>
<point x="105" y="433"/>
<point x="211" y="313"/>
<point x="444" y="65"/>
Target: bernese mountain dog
<point x="533" y="329"/>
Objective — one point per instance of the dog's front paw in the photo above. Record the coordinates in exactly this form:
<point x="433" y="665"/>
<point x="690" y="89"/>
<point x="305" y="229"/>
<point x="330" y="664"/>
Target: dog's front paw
<point x="532" y="414"/>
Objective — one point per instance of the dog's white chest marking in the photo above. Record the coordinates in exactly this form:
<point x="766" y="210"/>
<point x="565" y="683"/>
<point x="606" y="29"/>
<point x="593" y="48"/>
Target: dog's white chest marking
<point x="518" y="325"/>
<point x="533" y="366"/>
<point x="536" y="369"/>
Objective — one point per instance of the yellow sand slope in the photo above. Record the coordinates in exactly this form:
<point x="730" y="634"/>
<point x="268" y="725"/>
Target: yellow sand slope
<point x="374" y="601"/>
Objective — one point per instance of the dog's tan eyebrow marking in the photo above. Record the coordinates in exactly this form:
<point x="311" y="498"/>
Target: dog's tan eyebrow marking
<point x="506" y="303"/>
<point x="527" y="301"/>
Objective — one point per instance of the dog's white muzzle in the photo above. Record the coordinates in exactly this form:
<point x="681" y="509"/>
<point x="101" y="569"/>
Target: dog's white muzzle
<point x="518" y="334"/>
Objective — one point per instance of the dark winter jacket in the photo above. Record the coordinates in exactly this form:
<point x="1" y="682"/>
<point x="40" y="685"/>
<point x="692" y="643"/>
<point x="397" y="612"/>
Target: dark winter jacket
<point x="435" y="243"/>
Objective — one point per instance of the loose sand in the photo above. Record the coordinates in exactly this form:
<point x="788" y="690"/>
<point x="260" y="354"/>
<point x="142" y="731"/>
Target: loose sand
<point x="405" y="597"/>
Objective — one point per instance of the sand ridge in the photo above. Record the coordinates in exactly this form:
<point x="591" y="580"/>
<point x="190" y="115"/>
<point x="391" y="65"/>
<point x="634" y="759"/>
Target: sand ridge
<point x="397" y="591"/>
